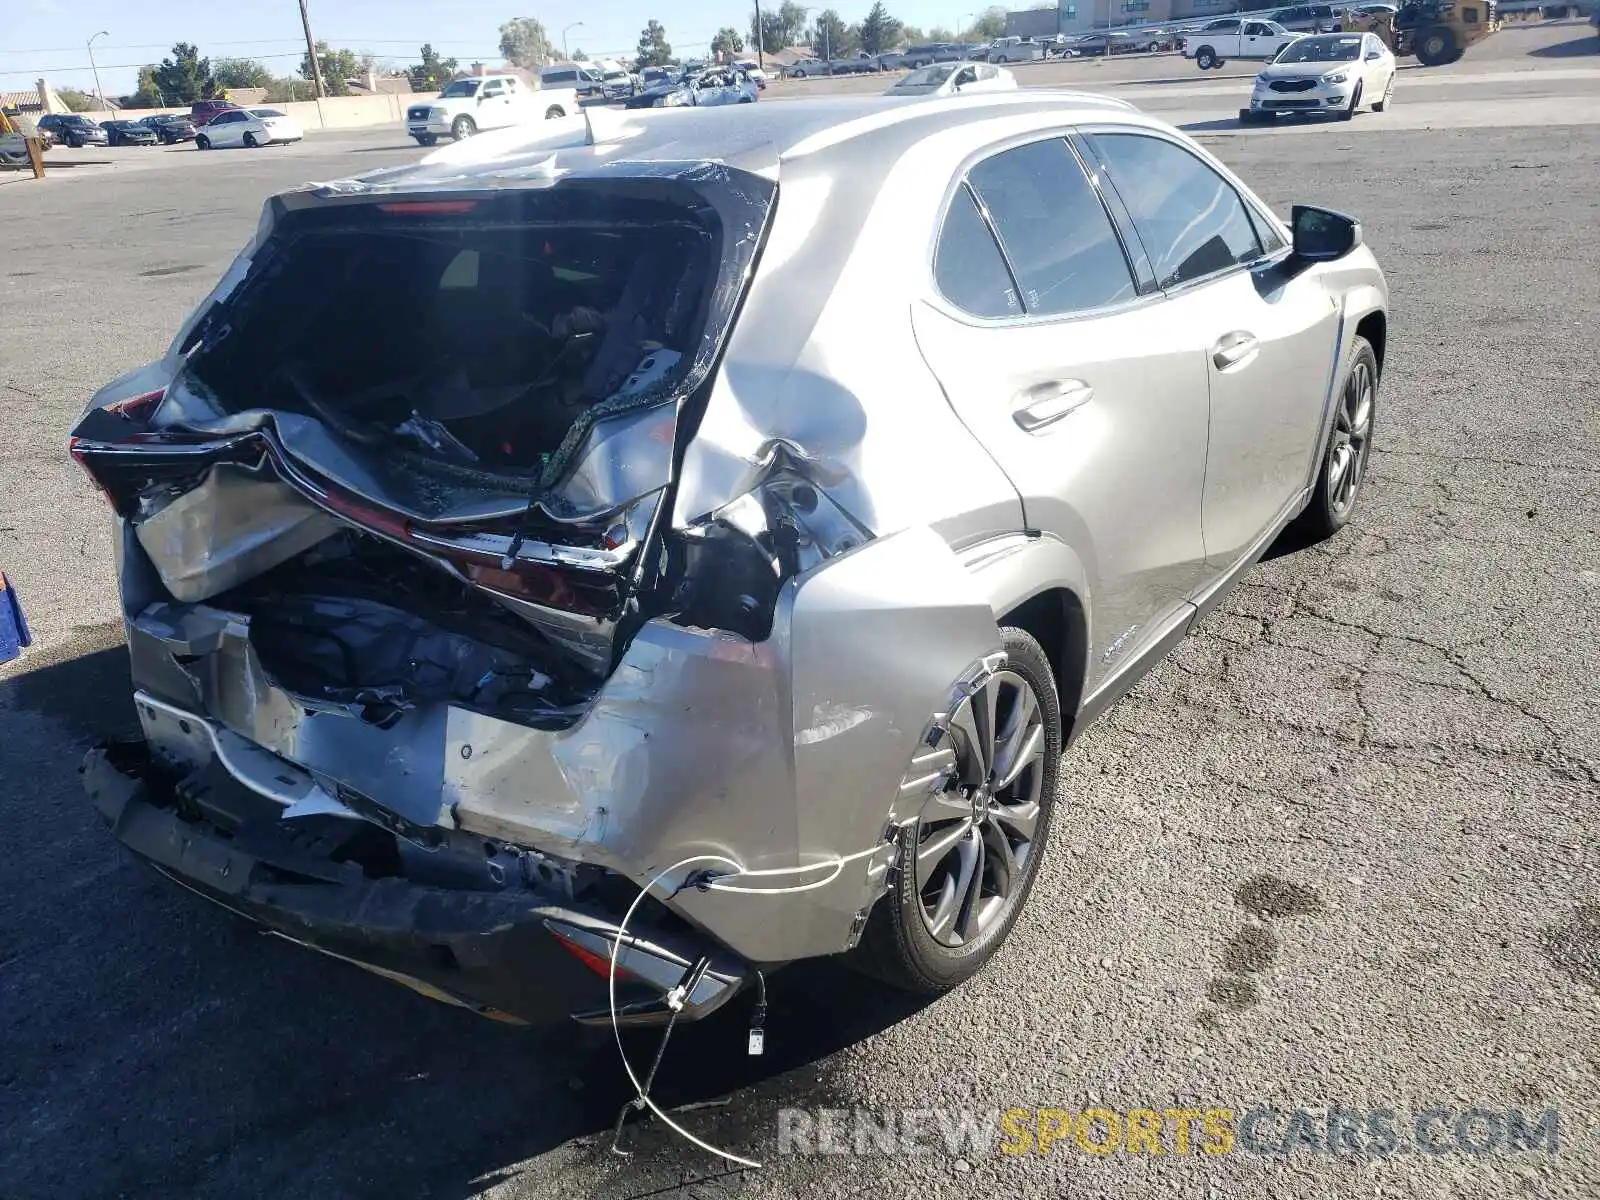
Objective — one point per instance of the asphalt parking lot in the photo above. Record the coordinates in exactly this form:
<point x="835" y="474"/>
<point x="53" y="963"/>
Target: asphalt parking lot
<point x="1343" y="847"/>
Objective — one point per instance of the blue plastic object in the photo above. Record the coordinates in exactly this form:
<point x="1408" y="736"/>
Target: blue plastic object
<point x="13" y="625"/>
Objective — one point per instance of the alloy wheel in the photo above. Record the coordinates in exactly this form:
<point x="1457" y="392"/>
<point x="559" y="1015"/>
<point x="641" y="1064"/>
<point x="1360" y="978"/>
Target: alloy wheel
<point x="1352" y="433"/>
<point x="975" y="836"/>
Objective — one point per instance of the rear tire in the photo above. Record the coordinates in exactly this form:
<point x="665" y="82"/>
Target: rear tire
<point x="425" y="139"/>
<point x="1344" y="463"/>
<point x="970" y="874"/>
<point x="554" y="111"/>
<point x="1205" y="58"/>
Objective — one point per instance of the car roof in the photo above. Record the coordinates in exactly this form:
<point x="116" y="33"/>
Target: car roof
<point x="756" y="138"/>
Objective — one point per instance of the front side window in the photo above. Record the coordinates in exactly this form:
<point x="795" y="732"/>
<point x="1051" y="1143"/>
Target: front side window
<point x="1055" y="232"/>
<point x="460" y="89"/>
<point x="1190" y="219"/>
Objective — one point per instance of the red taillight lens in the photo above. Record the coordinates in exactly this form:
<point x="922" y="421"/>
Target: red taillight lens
<point x="430" y="207"/>
<point x="598" y="963"/>
<point x="138" y="408"/>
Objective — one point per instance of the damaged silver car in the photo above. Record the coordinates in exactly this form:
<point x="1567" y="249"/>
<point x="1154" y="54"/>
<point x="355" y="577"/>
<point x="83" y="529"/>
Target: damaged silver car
<point x="728" y="515"/>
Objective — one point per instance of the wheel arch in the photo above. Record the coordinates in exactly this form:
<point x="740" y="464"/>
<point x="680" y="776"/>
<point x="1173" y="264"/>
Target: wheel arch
<point x="1039" y="583"/>
<point x="1375" y="328"/>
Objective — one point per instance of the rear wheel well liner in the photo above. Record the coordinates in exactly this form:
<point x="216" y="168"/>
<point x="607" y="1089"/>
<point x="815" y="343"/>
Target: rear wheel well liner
<point x="1055" y="618"/>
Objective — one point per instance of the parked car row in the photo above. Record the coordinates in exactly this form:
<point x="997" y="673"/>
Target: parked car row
<point x="212" y="124"/>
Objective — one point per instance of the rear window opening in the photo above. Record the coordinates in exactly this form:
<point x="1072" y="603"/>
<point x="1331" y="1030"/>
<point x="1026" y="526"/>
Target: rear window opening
<point x="474" y="332"/>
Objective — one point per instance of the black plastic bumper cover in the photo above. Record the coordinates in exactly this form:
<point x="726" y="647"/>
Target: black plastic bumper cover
<point x="488" y="951"/>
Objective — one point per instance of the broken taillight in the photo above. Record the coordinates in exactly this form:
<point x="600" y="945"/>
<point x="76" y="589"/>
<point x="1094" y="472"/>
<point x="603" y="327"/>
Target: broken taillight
<point x="139" y="408"/>
<point x="134" y="408"/>
<point x="598" y="963"/>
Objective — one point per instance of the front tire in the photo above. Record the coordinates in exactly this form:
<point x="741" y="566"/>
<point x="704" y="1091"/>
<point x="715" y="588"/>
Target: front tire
<point x="250" y="142"/>
<point x="969" y="858"/>
<point x="462" y="128"/>
<point x="554" y="111"/>
<point x="1349" y="113"/>
<point x="202" y="142"/>
<point x="1344" y="464"/>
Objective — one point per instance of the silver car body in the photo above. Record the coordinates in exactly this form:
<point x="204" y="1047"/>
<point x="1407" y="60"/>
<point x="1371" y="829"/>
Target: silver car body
<point x="1119" y="467"/>
<point x="950" y="79"/>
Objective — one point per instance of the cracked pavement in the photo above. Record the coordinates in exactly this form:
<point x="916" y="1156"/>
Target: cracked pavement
<point x="1341" y="847"/>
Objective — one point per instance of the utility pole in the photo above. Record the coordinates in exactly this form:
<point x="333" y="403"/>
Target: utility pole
<point x="98" y="93"/>
<point x="761" y="58"/>
<point x="311" y="52"/>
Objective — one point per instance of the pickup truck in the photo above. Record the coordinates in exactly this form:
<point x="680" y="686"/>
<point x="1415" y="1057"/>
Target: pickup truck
<point x="1014" y="49"/>
<point x="467" y="106"/>
<point x="1235" y="38"/>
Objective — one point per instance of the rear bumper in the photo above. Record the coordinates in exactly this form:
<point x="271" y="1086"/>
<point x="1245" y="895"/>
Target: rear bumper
<point x="502" y="953"/>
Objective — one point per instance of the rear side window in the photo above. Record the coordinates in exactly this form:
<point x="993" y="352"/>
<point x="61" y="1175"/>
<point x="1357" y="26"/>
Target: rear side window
<point x="1190" y="219"/>
<point x="968" y="267"/>
<point x="1053" y="228"/>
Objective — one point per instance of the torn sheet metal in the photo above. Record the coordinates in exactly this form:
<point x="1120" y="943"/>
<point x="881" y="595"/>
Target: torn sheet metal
<point x="237" y="524"/>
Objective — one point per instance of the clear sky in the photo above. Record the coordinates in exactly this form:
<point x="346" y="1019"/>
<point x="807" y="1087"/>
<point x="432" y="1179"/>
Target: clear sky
<point x="47" y="37"/>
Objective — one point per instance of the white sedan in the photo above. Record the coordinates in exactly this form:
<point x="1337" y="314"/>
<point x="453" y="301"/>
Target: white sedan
<point x="947" y="79"/>
<point x="1334" y="73"/>
<point x="247" y="127"/>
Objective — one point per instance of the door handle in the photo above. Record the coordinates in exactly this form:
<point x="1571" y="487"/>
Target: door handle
<point x="1234" y="349"/>
<point x="1046" y="403"/>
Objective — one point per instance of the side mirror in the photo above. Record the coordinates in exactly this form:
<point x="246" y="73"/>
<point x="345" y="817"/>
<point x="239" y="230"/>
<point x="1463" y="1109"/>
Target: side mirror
<point x="1372" y="54"/>
<point x="1321" y="235"/>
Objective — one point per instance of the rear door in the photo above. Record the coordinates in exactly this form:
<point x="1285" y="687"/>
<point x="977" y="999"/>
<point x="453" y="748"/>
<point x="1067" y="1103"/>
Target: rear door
<point x="1269" y="334"/>
<point x="1087" y="388"/>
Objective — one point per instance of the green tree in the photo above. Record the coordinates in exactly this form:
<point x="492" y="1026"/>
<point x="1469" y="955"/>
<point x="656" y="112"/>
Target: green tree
<point x="240" y="73"/>
<point x="911" y="35"/>
<point x="829" y="34"/>
<point x="147" y="94"/>
<point x="940" y="34"/>
<point x="768" y="33"/>
<point x="579" y="56"/>
<point x="75" y="100"/>
<point x="185" y="77"/>
<point x="728" y="41"/>
<point x="524" y="43"/>
<point x="654" y="49"/>
<point x="879" y="31"/>
<point x="991" y="23"/>
<point x="433" y="72"/>
<point x="337" y="67"/>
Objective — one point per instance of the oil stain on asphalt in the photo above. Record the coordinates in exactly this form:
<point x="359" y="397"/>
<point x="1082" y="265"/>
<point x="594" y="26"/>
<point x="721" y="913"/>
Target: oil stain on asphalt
<point x="1254" y="948"/>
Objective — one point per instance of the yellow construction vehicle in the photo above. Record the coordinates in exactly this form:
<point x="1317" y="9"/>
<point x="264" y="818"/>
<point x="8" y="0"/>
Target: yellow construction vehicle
<point x="1436" y="31"/>
<point x="20" y="145"/>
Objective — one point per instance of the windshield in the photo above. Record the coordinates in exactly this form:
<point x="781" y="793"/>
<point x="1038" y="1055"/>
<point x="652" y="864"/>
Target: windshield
<point x="927" y="77"/>
<point x="266" y="112"/>
<point x="461" y="87"/>
<point x="1321" y="50"/>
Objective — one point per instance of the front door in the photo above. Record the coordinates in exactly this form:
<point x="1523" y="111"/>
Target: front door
<point x="1269" y="333"/>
